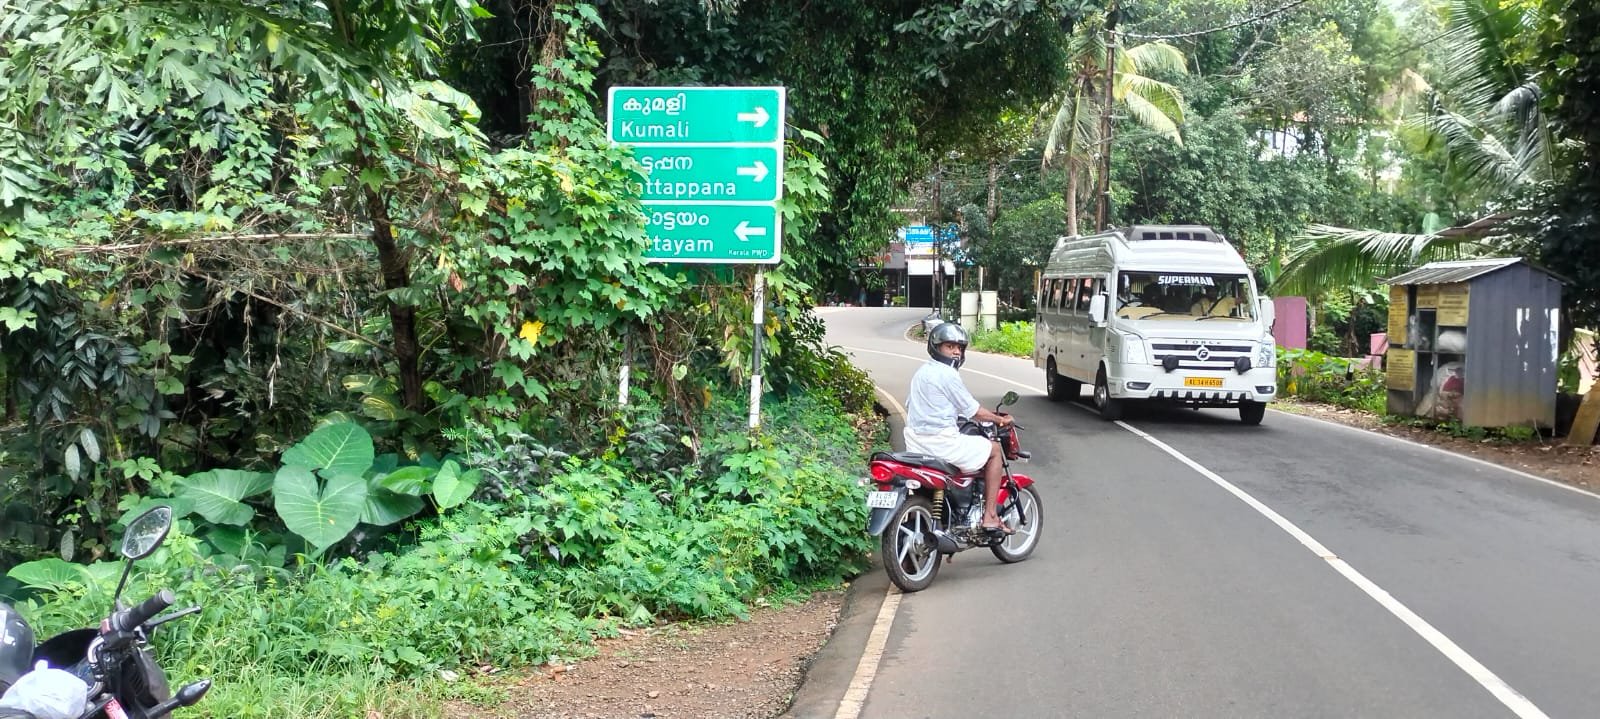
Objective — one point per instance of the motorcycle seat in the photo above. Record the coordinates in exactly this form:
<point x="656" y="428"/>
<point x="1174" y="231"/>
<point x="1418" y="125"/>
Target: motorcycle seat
<point x="922" y="460"/>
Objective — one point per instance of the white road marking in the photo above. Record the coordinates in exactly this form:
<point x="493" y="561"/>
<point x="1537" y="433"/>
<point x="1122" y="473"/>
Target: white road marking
<point x="1431" y="448"/>
<point x="856" y="696"/>
<point x="867" y="669"/>
<point x="1511" y="698"/>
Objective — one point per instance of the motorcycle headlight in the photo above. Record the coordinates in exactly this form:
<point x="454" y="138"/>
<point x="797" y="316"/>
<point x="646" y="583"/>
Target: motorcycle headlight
<point x="1267" y="355"/>
<point x="1133" y="350"/>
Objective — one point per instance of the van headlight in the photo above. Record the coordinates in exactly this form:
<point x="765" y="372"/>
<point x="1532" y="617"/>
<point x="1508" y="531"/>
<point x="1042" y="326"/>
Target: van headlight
<point x="1133" y="350"/>
<point x="1267" y="355"/>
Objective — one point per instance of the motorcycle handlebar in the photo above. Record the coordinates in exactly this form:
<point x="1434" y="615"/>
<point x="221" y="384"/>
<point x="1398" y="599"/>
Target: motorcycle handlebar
<point x="130" y="619"/>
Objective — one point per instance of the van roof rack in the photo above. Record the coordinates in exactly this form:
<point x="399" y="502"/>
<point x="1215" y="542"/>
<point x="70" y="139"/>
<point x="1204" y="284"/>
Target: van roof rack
<point x="1193" y="233"/>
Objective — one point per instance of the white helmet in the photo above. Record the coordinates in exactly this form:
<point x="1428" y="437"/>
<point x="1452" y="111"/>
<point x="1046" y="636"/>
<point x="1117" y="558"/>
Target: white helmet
<point x="944" y="333"/>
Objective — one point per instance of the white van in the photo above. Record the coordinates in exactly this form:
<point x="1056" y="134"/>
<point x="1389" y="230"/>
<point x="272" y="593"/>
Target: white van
<point x="1155" y="312"/>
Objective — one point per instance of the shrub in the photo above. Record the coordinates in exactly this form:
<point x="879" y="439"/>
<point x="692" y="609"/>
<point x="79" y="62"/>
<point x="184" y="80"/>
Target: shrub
<point x="1011" y="338"/>
<point x="582" y="546"/>
<point x="1319" y="377"/>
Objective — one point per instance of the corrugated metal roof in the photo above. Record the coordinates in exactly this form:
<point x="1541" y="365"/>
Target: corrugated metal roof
<point x="1443" y="273"/>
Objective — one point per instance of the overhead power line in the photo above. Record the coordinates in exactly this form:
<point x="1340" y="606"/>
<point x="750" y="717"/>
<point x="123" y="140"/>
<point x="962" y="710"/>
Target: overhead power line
<point x="1247" y="21"/>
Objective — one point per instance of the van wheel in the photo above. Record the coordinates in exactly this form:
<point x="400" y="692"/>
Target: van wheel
<point x="1110" y="407"/>
<point x="1252" y="413"/>
<point x="1057" y="387"/>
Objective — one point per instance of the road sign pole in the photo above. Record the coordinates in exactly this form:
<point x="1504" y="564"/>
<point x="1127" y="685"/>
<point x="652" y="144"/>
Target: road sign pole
<point x="758" y="327"/>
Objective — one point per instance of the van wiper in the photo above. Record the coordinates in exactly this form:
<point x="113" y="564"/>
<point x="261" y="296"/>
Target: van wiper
<point x="1223" y="317"/>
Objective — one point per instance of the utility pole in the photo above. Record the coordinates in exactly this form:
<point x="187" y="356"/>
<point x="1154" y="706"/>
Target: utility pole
<point x="1102" y="211"/>
<point x="938" y="252"/>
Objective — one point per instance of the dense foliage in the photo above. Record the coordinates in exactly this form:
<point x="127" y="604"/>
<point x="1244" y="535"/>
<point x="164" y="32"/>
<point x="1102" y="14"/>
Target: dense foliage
<point x="576" y="548"/>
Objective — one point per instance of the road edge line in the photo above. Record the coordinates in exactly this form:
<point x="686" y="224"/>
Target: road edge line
<point x="1442" y="450"/>
<point x="855" y="696"/>
<point x="1509" y="697"/>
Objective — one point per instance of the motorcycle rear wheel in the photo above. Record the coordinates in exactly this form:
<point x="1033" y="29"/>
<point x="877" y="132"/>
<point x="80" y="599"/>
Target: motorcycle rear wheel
<point x="1019" y="545"/>
<point x="910" y="550"/>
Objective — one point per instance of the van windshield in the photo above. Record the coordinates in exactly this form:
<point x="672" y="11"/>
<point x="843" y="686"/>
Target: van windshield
<point x="1184" y="297"/>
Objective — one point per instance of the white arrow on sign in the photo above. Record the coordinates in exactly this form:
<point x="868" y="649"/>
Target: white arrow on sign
<point x="759" y="117"/>
<point x="758" y="172"/>
<point x="745" y="231"/>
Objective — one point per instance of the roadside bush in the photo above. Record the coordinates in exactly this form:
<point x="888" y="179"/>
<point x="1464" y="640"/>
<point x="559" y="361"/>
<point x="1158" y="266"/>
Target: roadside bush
<point x="1011" y="338"/>
<point x="590" y="544"/>
<point x="1319" y="377"/>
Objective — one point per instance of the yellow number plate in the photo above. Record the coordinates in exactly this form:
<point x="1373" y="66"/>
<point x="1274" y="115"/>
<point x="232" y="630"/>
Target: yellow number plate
<point x="1202" y="381"/>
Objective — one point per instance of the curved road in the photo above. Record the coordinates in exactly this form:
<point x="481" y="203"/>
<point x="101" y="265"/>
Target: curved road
<point x="1194" y="567"/>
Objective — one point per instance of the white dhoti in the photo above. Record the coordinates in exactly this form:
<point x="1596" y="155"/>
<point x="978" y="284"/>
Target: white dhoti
<point x="969" y="452"/>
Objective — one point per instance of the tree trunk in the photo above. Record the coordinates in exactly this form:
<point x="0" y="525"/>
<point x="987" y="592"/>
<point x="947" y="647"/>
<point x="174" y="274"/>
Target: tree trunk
<point x="1071" y="200"/>
<point x="395" y="265"/>
<point x="554" y="33"/>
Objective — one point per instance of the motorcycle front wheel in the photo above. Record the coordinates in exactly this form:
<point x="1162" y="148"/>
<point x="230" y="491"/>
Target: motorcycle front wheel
<point x="910" y="551"/>
<point x="1018" y="545"/>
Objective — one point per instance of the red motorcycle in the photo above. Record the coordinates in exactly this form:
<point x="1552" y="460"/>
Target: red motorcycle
<point x="927" y="509"/>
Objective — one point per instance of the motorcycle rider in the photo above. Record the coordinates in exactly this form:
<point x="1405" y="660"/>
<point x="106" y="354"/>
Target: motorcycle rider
<point x="937" y="398"/>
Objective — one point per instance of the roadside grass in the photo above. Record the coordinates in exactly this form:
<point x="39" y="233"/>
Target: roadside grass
<point x="1011" y="338"/>
<point x="597" y="545"/>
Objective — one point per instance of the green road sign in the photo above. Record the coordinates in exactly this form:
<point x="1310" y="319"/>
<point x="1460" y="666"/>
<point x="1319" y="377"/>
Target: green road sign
<point x="640" y="115"/>
<point x="701" y="233"/>
<point x="713" y="161"/>
<point x="711" y="173"/>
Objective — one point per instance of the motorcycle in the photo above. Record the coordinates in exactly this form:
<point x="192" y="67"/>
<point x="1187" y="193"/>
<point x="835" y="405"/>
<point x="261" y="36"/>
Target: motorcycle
<point x="927" y="509"/>
<point x="119" y="674"/>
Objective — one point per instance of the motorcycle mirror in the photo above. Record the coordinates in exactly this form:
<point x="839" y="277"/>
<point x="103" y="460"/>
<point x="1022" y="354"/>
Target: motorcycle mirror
<point x="146" y="532"/>
<point x="1009" y="399"/>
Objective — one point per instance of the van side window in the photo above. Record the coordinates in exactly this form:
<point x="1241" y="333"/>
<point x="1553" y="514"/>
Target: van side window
<point x="1099" y="287"/>
<point x="1083" y="289"/>
<point x="1055" y="294"/>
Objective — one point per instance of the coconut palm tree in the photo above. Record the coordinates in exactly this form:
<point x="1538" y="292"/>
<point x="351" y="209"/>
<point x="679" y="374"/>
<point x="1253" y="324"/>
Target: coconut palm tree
<point x="1075" y="127"/>
<point x="1485" y="112"/>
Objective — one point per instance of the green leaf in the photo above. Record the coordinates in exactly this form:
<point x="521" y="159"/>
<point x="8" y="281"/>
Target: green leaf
<point x="91" y="446"/>
<point x="217" y="494"/>
<point x="321" y="512"/>
<point x="381" y="408"/>
<point x="56" y="575"/>
<point x="452" y="486"/>
<point x="15" y="319"/>
<point x="384" y="508"/>
<point x="342" y="448"/>
<point x="407" y="480"/>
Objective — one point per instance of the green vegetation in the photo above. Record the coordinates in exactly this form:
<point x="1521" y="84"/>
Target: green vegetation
<point x="1314" y="376"/>
<point x="574" y="551"/>
<point x="1011" y="338"/>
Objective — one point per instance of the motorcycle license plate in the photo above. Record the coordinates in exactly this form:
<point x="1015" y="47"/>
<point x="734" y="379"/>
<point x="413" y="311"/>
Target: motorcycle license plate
<point x="882" y="500"/>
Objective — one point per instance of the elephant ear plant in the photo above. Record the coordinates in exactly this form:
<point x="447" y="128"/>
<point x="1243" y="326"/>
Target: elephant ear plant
<point x="330" y="483"/>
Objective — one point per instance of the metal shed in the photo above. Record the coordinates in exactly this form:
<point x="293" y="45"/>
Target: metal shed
<point x="1475" y="341"/>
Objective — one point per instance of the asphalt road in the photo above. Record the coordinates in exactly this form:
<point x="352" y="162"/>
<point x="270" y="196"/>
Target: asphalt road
<point x="1194" y="567"/>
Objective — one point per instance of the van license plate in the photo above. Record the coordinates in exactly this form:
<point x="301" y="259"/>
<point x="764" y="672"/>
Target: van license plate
<point x="882" y="500"/>
<point x="1202" y="381"/>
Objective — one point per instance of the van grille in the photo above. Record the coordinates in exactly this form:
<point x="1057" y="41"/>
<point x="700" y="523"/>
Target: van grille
<point x="1200" y="354"/>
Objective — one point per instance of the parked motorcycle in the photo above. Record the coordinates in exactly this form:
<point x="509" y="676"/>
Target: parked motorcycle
<point x="120" y="676"/>
<point x="927" y="509"/>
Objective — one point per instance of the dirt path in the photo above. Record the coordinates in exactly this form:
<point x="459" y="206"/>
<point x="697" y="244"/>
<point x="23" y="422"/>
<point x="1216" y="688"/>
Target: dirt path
<point x="735" y="670"/>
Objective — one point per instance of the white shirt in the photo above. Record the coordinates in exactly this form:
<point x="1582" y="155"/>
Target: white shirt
<point x="937" y="397"/>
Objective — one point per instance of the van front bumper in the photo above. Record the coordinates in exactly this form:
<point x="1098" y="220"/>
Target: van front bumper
<point x="1154" y="382"/>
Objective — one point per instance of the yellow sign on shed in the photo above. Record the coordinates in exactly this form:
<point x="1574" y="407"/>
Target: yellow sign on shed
<point x="1399" y="310"/>
<point x="1453" y="301"/>
<point x="1427" y="296"/>
<point x="1401" y="367"/>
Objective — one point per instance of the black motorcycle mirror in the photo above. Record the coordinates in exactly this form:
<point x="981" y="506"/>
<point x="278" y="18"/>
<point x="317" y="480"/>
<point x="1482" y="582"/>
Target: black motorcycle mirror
<point x="145" y="533"/>
<point x="1010" y="398"/>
